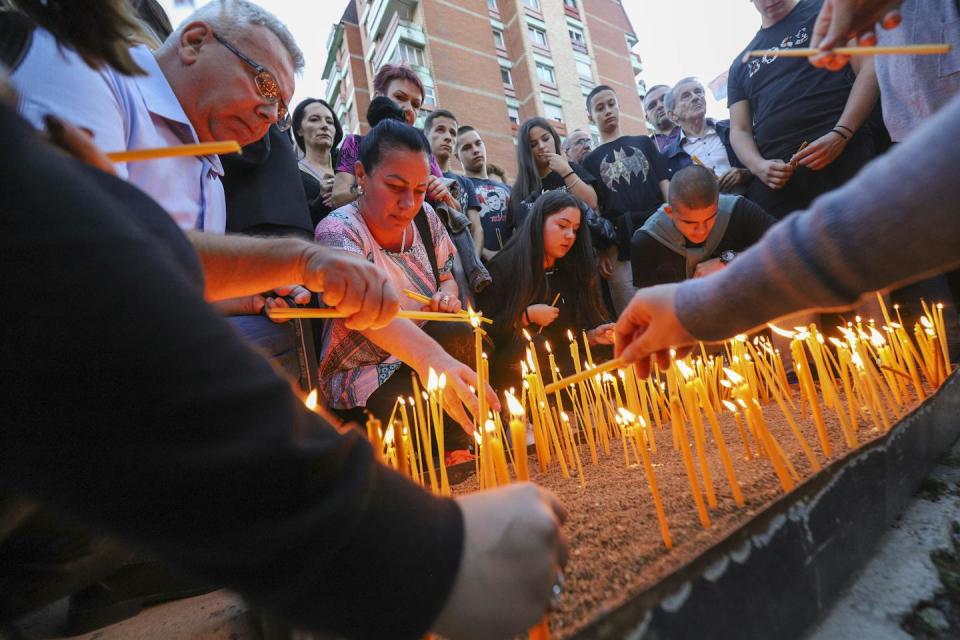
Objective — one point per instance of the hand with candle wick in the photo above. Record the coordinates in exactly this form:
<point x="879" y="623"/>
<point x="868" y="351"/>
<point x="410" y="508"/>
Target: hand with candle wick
<point x="353" y="285"/>
<point x="649" y="327"/>
<point x="602" y="335"/>
<point x="542" y="314"/>
<point x="513" y="550"/>
<point x="461" y="379"/>
<point x="842" y="20"/>
<point x="821" y="152"/>
<point x="445" y="300"/>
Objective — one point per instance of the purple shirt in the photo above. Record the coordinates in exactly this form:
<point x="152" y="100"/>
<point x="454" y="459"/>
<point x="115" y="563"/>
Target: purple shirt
<point x="350" y="153"/>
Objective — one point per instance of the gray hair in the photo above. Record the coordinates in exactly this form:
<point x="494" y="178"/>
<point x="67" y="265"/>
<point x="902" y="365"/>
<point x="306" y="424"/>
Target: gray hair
<point x="230" y="19"/>
<point x="567" y="142"/>
<point x="670" y="99"/>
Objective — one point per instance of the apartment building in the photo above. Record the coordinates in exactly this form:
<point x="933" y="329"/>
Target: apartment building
<point x="494" y="63"/>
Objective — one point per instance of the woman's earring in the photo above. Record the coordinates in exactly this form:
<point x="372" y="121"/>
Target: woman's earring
<point x="359" y="190"/>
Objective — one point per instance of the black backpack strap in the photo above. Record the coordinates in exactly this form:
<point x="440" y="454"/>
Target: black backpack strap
<point x="16" y="32"/>
<point x="423" y="226"/>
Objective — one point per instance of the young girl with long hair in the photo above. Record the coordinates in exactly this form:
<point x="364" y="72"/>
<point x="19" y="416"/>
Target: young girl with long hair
<point x="545" y="280"/>
<point x="541" y="167"/>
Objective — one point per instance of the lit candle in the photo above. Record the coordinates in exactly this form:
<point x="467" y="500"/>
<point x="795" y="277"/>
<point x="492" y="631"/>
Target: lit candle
<point x="747" y="451"/>
<point x="518" y="436"/>
<point x="481" y="382"/>
<point x="721" y="445"/>
<point x="696" y="422"/>
<point x="629" y="418"/>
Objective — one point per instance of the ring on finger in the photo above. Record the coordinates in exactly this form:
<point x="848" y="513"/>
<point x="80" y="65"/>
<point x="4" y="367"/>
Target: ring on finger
<point x="556" y="591"/>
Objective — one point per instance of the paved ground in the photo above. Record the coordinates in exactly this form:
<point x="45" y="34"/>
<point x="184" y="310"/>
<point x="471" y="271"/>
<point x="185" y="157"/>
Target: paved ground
<point x="903" y="579"/>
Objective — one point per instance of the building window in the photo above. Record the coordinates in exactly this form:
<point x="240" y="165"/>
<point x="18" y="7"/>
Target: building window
<point x="506" y="77"/>
<point x="570" y="3"/>
<point x="429" y="94"/>
<point x="577" y="40"/>
<point x="492" y="4"/>
<point x="538" y="37"/>
<point x="514" y="114"/>
<point x="553" y="112"/>
<point x="409" y="54"/>
<point x="498" y="39"/>
<point x="546" y="74"/>
<point x="533" y="4"/>
<point x="584" y="70"/>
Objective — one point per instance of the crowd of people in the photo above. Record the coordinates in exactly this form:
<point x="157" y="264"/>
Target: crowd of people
<point x="234" y="480"/>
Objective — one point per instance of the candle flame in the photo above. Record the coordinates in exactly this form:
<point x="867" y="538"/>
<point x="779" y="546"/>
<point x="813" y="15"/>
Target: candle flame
<point x="742" y="337"/>
<point x="726" y="384"/>
<point x="514" y="406"/>
<point x="442" y="381"/>
<point x="730" y="406"/>
<point x="734" y="377"/>
<point x="490" y="426"/>
<point x="925" y="321"/>
<point x="626" y="415"/>
<point x="781" y="332"/>
<point x="311" y="401"/>
<point x="389" y="439"/>
<point x="742" y="404"/>
<point x="474" y="318"/>
<point x="546" y="343"/>
<point x="837" y="343"/>
<point x="570" y="335"/>
<point x="685" y="370"/>
<point x="526" y="335"/>
<point x="857" y="360"/>
<point x="410" y="399"/>
<point x="432" y="380"/>
<point x="476" y="436"/>
<point x="563" y="416"/>
<point x="877" y="338"/>
<point x="401" y="400"/>
<point x="523" y="369"/>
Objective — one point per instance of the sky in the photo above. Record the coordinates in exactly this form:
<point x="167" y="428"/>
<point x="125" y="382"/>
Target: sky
<point x="678" y="38"/>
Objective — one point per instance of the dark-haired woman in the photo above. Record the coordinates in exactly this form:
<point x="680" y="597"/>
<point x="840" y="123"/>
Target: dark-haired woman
<point x="541" y="167"/>
<point x="370" y="369"/>
<point x="404" y="88"/>
<point x="549" y="255"/>
<point x="317" y="133"/>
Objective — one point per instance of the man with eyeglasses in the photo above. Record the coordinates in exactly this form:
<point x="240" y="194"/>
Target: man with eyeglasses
<point x="227" y="73"/>
<point x="577" y="145"/>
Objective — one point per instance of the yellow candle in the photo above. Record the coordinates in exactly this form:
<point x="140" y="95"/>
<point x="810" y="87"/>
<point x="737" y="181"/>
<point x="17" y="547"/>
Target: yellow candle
<point x="721" y="445"/>
<point x="676" y="417"/>
<point x="518" y="437"/>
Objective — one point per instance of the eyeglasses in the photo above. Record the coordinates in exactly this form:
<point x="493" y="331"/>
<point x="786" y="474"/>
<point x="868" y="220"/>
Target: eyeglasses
<point x="583" y="142"/>
<point x="267" y="85"/>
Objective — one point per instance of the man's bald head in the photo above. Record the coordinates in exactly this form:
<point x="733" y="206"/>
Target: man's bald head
<point x="693" y="187"/>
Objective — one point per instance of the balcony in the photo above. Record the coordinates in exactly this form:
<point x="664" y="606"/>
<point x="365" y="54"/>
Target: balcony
<point x="382" y="13"/>
<point x="398" y="29"/>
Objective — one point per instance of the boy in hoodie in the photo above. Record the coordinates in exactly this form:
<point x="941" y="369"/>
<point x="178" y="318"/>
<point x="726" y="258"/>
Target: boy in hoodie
<point x="698" y="231"/>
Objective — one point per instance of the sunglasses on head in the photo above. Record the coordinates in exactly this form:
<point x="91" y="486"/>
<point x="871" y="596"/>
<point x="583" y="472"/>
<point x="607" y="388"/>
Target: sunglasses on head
<point x="267" y="85"/>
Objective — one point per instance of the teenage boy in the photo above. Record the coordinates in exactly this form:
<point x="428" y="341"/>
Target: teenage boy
<point x="493" y="195"/>
<point x="632" y="181"/>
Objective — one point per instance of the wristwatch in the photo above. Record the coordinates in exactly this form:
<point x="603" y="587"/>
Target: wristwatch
<point x="727" y="256"/>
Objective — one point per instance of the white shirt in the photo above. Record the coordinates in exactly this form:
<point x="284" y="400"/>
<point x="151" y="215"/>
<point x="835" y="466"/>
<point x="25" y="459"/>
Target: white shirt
<point x="709" y="150"/>
<point x="124" y="113"/>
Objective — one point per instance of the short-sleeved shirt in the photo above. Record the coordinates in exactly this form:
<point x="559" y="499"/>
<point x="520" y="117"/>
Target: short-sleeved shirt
<point x="351" y="366"/>
<point x="553" y="181"/>
<point x="494" y="199"/>
<point x="126" y="113"/>
<point x="350" y="154"/>
<point x="468" y="194"/>
<point x="791" y="101"/>
<point x="628" y="171"/>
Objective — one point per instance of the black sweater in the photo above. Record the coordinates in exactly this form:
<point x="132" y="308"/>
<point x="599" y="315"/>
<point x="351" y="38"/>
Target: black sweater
<point x="129" y="404"/>
<point x="654" y="263"/>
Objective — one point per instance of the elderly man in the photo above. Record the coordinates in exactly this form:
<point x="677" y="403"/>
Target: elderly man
<point x="225" y="74"/>
<point x="702" y="140"/>
<point x="577" y="146"/>
<point x="665" y="130"/>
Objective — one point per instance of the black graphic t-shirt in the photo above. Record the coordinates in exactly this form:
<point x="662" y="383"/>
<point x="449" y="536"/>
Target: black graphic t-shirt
<point x="494" y="199"/>
<point x="628" y="173"/>
<point x="791" y="101"/>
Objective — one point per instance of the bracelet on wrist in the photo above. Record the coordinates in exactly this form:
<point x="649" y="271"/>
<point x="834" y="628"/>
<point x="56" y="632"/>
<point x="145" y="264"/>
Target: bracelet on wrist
<point x="569" y="174"/>
<point x="840" y="126"/>
<point x="840" y="133"/>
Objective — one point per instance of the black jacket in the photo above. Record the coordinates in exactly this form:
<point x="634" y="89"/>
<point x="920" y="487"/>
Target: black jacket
<point x="655" y="263"/>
